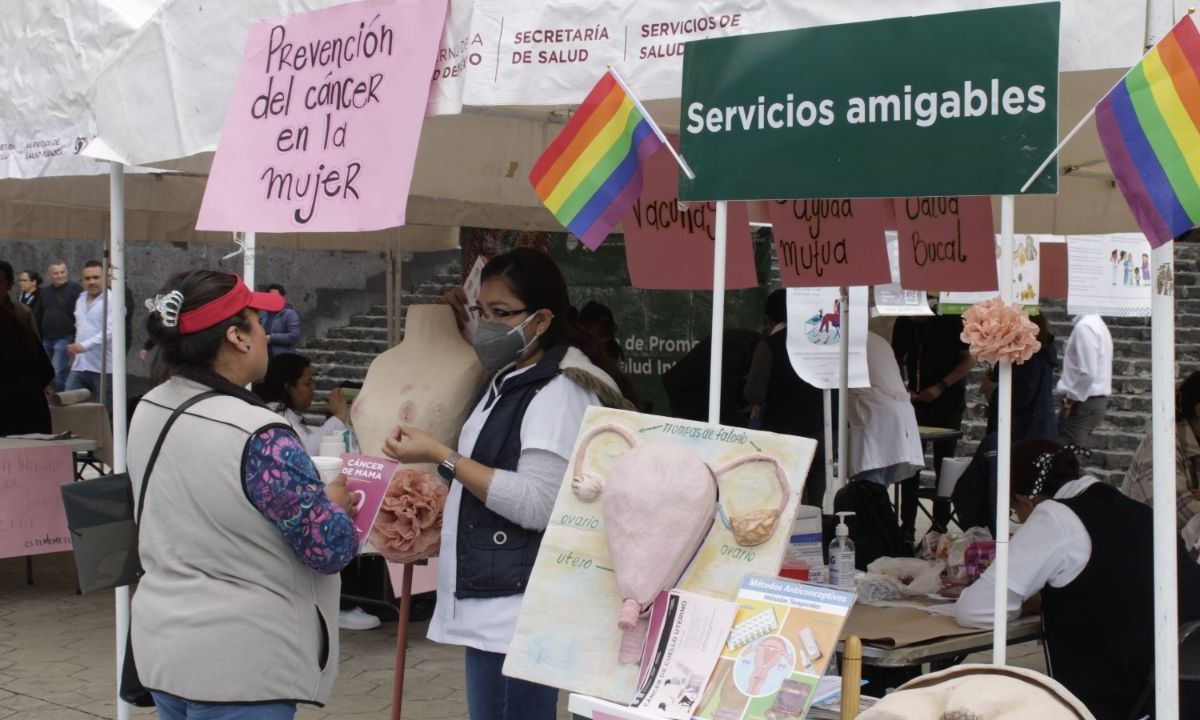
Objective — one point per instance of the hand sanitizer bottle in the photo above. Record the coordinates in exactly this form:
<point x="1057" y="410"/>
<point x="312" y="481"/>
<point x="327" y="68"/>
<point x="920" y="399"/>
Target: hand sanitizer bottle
<point x="841" y="556"/>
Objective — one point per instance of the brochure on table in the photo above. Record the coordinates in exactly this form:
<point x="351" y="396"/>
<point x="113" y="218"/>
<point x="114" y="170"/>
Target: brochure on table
<point x="782" y="640"/>
<point x="567" y="635"/>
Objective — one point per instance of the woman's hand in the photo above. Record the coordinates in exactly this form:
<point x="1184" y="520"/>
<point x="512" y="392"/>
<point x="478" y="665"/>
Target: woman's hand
<point x="410" y="445"/>
<point x="457" y="299"/>
<point x="338" y="406"/>
<point x="336" y="491"/>
<point x="929" y="394"/>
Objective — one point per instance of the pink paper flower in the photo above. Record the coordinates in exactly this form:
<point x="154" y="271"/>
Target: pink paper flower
<point x="998" y="332"/>
<point x="409" y="527"/>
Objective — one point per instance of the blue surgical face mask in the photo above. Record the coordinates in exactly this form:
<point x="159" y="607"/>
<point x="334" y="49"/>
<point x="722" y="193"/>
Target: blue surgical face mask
<point x="498" y="345"/>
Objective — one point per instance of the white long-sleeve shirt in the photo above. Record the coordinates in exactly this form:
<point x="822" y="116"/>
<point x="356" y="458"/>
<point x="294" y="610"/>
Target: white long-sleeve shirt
<point x="1087" y="363"/>
<point x="90" y="328"/>
<point x="1051" y="548"/>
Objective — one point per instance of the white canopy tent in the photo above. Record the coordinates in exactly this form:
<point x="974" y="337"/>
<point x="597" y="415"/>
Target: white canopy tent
<point x="158" y="96"/>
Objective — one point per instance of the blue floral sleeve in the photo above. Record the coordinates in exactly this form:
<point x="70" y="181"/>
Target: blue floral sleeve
<point x="282" y="482"/>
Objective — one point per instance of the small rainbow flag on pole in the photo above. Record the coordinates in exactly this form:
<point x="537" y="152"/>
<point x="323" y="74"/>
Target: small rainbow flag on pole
<point x="591" y="174"/>
<point x="1149" y="126"/>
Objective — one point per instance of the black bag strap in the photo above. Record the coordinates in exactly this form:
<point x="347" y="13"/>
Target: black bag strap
<point x="158" y="446"/>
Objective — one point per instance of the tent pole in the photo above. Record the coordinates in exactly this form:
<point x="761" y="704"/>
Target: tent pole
<point x="718" y="314"/>
<point x="248" y="259"/>
<point x="827" y="501"/>
<point x="1003" y="447"/>
<point x="1166" y="601"/>
<point x="843" y="438"/>
<point x="116" y="200"/>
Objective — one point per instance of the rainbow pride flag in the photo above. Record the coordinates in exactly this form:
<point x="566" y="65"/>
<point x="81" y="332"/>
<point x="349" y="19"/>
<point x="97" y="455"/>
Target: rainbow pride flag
<point x="591" y="174"/>
<point x="1149" y="126"/>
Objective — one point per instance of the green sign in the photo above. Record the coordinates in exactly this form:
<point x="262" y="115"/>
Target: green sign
<point x="961" y="103"/>
<point x="654" y="327"/>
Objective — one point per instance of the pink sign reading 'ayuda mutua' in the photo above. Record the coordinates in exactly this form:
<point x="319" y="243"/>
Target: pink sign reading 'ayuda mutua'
<point x="321" y="131"/>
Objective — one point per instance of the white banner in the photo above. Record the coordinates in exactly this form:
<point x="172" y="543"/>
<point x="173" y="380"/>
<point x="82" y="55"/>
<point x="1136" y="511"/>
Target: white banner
<point x="513" y="52"/>
<point x="814" y="332"/>
<point x="1109" y="275"/>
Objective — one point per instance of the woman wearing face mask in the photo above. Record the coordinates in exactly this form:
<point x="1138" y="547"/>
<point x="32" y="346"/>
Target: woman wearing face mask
<point x="1086" y="550"/>
<point x="507" y="469"/>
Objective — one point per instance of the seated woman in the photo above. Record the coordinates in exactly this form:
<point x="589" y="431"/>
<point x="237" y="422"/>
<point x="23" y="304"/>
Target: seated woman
<point x="1139" y="480"/>
<point x="1087" y="550"/>
<point x="288" y="390"/>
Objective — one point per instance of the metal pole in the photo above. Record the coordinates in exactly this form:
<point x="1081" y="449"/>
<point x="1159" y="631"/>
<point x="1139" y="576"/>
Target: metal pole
<point x="1003" y="447"/>
<point x="843" y="440"/>
<point x="718" y="314"/>
<point x="827" y="501"/>
<point x="116" y="200"/>
<point x="104" y="339"/>
<point x="1166" y="601"/>
<point x="248" y="259"/>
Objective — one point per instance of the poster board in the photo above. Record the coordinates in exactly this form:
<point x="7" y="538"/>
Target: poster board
<point x="567" y="635"/>
<point x="813" y="338"/>
<point x="1109" y="275"/>
<point x="32" y="519"/>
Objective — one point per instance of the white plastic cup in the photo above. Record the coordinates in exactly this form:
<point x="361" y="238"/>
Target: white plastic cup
<point x="328" y="467"/>
<point x="332" y="446"/>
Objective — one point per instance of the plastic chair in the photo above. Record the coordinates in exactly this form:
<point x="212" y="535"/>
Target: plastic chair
<point x="1189" y="668"/>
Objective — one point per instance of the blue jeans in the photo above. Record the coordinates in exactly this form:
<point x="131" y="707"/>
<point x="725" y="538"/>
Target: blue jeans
<point x="492" y="696"/>
<point x="90" y="380"/>
<point x="57" y="350"/>
<point x="173" y="708"/>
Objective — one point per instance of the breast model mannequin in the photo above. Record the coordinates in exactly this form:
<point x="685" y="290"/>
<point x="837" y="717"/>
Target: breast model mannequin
<point x="429" y="381"/>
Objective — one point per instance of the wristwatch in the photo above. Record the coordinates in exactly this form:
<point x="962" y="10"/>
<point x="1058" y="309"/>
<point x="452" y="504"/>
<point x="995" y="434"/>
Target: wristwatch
<point x="446" y="467"/>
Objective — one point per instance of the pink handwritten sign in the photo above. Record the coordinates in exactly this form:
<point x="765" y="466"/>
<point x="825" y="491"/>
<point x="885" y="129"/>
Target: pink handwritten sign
<point x="946" y="243"/>
<point x="32" y="519"/>
<point x="367" y="481"/>
<point x="668" y="247"/>
<point x="830" y="243"/>
<point x="321" y="131"/>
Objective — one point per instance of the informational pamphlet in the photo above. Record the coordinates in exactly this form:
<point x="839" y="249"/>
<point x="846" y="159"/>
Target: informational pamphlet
<point x="687" y="632"/>
<point x="782" y="640"/>
<point x="367" y="481"/>
<point x="814" y="333"/>
<point x="1110" y="275"/>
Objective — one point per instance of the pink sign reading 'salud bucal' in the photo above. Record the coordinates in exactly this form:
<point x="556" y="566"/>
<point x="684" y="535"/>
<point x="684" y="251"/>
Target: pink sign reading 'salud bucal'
<point x="367" y="479"/>
<point x="321" y="131"/>
<point x="832" y="242"/>
<point x="946" y="243"/>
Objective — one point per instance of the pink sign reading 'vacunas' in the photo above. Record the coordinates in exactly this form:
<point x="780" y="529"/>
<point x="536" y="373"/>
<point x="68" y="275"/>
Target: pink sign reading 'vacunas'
<point x="321" y="131"/>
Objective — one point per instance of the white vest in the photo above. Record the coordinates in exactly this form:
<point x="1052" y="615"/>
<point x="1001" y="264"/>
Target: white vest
<point x="226" y="612"/>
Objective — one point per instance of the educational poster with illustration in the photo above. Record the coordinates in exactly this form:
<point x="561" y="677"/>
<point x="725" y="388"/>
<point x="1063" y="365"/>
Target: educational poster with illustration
<point x="1026" y="278"/>
<point x="892" y="299"/>
<point x="814" y="332"/>
<point x="1109" y="275"/>
<point x="783" y="637"/>
<point x="649" y="503"/>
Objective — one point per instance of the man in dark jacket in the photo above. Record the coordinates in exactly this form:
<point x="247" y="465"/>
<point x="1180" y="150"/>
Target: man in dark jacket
<point x="55" y="314"/>
<point x="782" y="400"/>
<point x="283" y="327"/>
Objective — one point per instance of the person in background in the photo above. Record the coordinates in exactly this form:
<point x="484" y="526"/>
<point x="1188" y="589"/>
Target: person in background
<point x="884" y="448"/>
<point x="24" y="366"/>
<point x="1084" y="553"/>
<point x="508" y="468"/>
<point x="240" y="540"/>
<point x="30" y="283"/>
<point x="92" y="325"/>
<point x="288" y="389"/>
<point x="55" y="314"/>
<point x="597" y="320"/>
<point x="1033" y="414"/>
<point x="935" y="360"/>
<point x="282" y="326"/>
<point x="1139" y="480"/>
<point x="1086" y="380"/>
<point x="781" y="402"/>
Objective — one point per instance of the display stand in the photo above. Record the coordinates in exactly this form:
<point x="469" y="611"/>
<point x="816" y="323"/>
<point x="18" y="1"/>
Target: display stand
<point x="402" y="638"/>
